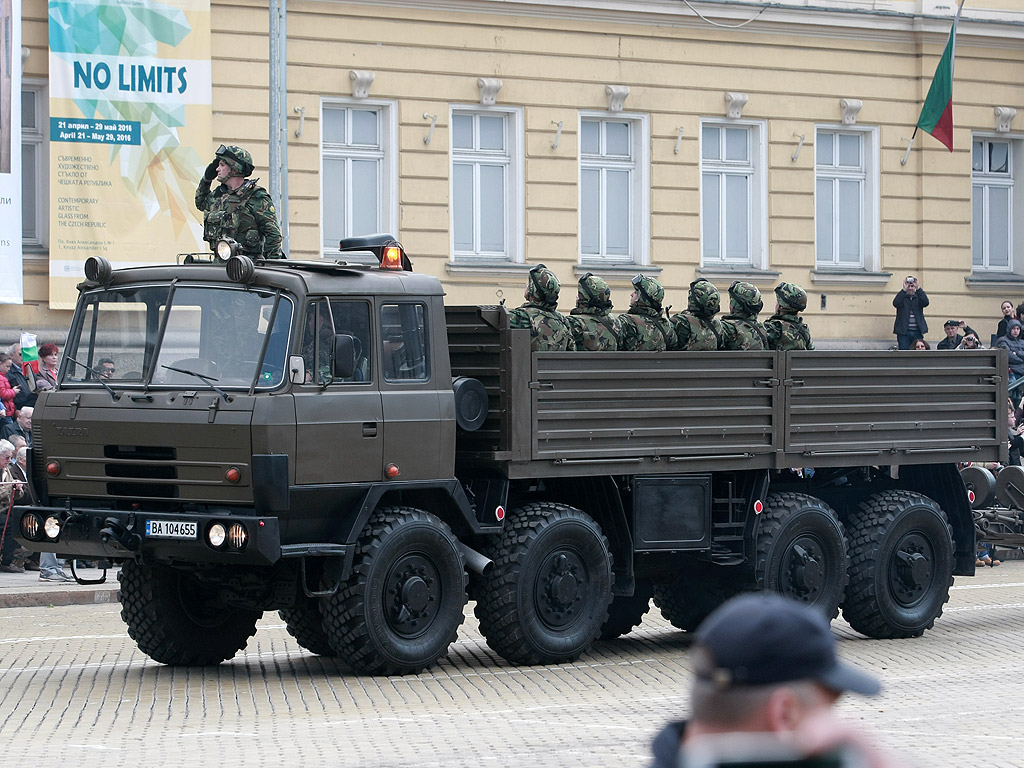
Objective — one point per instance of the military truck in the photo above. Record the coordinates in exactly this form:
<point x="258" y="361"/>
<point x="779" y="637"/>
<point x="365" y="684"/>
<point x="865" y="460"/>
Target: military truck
<point x="327" y="439"/>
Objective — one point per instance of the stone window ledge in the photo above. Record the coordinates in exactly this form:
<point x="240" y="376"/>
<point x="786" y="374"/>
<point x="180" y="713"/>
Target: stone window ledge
<point x="599" y="268"/>
<point x="993" y="280"/>
<point x="849" y="277"/>
<point x="746" y="273"/>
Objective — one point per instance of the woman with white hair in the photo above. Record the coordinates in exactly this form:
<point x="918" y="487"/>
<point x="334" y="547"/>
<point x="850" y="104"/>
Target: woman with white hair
<point x="10" y="492"/>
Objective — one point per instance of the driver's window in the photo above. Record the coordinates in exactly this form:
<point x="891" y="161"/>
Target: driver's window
<point x="404" y="348"/>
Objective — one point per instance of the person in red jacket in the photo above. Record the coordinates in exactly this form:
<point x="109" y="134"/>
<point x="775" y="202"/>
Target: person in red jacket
<point x="7" y="392"/>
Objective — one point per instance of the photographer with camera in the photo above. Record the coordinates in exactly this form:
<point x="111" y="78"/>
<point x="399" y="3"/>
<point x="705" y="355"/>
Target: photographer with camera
<point x="766" y="679"/>
<point x="910" y="324"/>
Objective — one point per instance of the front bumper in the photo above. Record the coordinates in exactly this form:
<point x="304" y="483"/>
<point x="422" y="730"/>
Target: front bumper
<point x="92" y="533"/>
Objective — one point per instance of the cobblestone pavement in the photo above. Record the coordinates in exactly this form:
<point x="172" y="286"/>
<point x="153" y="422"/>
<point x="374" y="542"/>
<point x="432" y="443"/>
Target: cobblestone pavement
<point x="74" y="690"/>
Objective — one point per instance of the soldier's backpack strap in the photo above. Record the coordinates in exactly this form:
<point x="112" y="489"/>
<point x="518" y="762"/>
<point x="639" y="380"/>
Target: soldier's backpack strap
<point x="760" y="332"/>
<point x="710" y="325"/>
<point x="603" y="320"/>
<point x="661" y="330"/>
<point x="805" y="334"/>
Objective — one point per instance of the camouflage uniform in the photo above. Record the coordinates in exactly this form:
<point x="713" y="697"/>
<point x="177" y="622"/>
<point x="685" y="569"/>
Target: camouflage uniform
<point x="549" y="330"/>
<point x="696" y="327"/>
<point x="740" y="329"/>
<point x="643" y="327"/>
<point x="592" y="325"/>
<point x="246" y="214"/>
<point x="785" y="329"/>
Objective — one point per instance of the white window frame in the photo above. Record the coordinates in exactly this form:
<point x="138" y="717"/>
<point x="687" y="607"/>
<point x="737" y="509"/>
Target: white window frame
<point x="387" y="153"/>
<point x="1011" y="181"/>
<point x="639" y="164"/>
<point x="40" y="138"/>
<point x="868" y="175"/>
<point x="757" y="225"/>
<point x="515" y="192"/>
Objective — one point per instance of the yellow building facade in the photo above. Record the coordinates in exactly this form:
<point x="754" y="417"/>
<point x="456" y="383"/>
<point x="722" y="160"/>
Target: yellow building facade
<point x="728" y="140"/>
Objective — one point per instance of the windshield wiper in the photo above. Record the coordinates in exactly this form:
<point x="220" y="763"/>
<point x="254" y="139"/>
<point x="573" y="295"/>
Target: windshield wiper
<point x="207" y="380"/>
<point x="99" y="378"/>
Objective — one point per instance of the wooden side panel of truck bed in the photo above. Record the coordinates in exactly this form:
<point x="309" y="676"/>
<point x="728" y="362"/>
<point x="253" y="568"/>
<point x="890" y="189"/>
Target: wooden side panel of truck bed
<point x="586" y="413"/>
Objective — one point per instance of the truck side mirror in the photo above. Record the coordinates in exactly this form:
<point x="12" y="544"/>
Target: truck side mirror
<point x="344" y="363"/>
<point x="296" y="369"/>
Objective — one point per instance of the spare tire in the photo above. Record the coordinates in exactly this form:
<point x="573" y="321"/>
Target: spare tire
<point x="470" y="403"/>
<point x="982" y="483"/>
<point x="1010" y="487"/>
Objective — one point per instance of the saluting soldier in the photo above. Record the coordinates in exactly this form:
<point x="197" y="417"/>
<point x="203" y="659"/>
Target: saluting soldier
<point x="643" y="326"/>
<point x="238" y="208"/>
<point x="696" y="327"/>
<point x="740" y="328"/>
<point x="549" y="330"/>
<point x="591" y="322"/>
<point x="785" y="329"/>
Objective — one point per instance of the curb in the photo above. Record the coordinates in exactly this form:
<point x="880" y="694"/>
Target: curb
<point x="57" y="597"/>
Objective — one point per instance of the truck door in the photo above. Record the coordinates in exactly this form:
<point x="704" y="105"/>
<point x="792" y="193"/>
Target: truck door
<point x="412" y="406"/>
<point x="338" y="423"/>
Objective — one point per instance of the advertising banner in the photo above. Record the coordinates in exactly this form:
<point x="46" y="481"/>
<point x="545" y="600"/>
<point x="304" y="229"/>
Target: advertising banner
<point x="11" y="287"/>
<point x="130" y="133"/>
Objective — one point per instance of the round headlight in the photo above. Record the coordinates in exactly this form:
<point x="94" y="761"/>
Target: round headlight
<point x="51" y="527"/>
<point x="226" y="248"/>
<point x="216" y="535"/>
<point x="237" y="537"/>
<point x="98" y="269"/>
<point x="32" y="527"/>
<point x="241" y="269"/>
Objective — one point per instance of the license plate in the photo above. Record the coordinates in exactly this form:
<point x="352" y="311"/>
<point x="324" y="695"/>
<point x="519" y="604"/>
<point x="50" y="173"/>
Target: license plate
<point x="171" y="529"/>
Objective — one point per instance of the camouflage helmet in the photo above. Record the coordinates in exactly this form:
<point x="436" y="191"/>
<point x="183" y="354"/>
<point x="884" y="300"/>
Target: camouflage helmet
<point x="649" y="291"/>
<point x="745" y="297"/>
<point x="791" y="296"/>
<point x="236" y="158"/>
<point x="704" y="298"/>
<point x="543" y="285"/>
<point x="594" y="292"/>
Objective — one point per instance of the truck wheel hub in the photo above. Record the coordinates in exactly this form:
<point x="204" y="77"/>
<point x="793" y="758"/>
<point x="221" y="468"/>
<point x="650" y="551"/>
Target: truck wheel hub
<point x="560" y="589"/>
<point x="806" y="572"/>
<point x="913" y="565"/>
<point x="412" y="595"/>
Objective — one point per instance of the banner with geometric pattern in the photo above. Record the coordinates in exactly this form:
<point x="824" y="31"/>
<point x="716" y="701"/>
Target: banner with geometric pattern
<point x="130" y="133"/>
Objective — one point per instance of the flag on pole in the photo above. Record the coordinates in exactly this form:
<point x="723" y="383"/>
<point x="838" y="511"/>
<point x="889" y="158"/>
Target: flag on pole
<point x="937" y="113"/>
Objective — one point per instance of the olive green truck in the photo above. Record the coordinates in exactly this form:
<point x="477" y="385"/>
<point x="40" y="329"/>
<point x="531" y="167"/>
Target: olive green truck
<point x="330" y="441"/>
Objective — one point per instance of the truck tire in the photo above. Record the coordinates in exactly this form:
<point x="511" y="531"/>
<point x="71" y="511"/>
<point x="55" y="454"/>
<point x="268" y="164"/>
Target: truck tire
<point x="401" y="608"/>
<point x="305" y="623"/>
<point x="801" y="551"/>
<point x="627" y="611"/>
<point x="688" y="600"/>
<point x="901" y="565"/>
<point x="547" y="596"/>
<point x="172" y="619"/>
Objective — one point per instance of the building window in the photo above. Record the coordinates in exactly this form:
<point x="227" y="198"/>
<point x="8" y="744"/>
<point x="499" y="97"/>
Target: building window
<point x="732" y="195"/>
<point x="34" y="173"/>
<point x="992" y="201"/>
<point x="845" y="199"/>
<point x="614" y="179"/>
<point x="357" y="171"/>
<point x="486" y="193"/>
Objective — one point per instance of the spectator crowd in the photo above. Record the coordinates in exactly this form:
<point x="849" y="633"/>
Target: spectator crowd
<point x="21" y="380"/>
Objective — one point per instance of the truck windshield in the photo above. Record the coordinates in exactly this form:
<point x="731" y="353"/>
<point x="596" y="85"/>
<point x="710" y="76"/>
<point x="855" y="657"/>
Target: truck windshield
<point x="234" y="337"/>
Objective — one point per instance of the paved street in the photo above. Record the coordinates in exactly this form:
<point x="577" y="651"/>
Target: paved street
<point x="75" y="691"/>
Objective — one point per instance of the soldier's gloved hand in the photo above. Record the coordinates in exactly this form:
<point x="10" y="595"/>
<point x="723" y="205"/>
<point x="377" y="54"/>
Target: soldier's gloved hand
<point x="211" y="170"/>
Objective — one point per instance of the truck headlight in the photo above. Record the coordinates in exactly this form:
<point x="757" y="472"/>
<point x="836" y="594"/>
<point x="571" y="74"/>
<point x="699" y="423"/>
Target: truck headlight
<point x="32" y="526"/>
<point x="216" y="535"/>
<point x="51" y="527"/>
<point x="237" y="536"/>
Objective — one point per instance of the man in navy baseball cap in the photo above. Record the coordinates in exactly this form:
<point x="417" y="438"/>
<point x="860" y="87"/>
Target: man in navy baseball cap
<point x="766" y="675"/>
